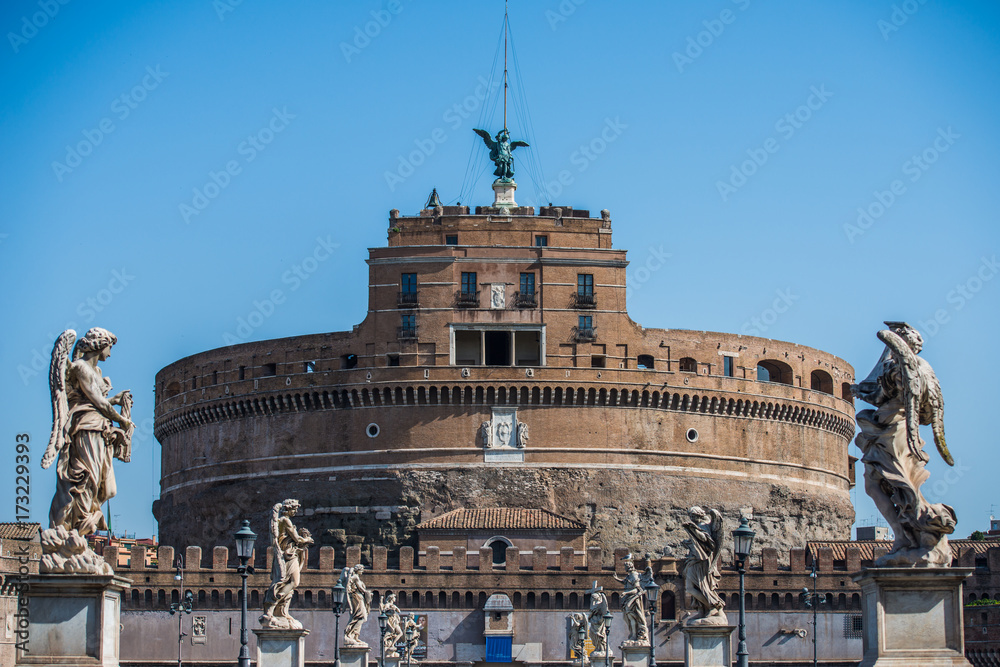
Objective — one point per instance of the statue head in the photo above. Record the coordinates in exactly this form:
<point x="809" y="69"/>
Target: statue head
<point x="359" y="569"/>
<point x="698" y="515"/>
<point x="503" y="135"/>
<point x="909" y="334"/>
<point x="290" y="506"/>
<point x="95" y="340"/>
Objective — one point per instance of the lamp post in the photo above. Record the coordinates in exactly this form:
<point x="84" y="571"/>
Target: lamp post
<point x="813" y="600"/>
<point x="244" y="549"/>
<point x="652" y="591"/>
<point x="742" y="543"/>
<point x="581" y="636"/>
<point x="383" y="621"/>
<point x="184" y="604"/>
<point x="608" y="660"/>
<point x="411" y="632"/>
<point x="339" y="595"/>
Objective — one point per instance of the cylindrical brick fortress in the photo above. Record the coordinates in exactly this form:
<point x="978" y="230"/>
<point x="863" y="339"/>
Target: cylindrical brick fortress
<point x="624" y="428"/>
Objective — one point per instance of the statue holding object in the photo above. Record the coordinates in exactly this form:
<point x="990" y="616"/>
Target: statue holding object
<point x="906" y="393"/>
<point x="359" y="604"/>
<point x="501" y="153"/>
<point x="634" y="605"/>
<point x="291" y="553"/>
<point x="701" y="567"/>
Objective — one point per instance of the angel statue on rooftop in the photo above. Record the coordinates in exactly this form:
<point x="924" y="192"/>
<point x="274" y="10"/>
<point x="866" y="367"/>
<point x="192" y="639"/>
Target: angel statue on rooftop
<point x="83" y="444"/>
<point x="906" y="393"/>
<point x="291" y="553"/>
<point x="501" y="152"/>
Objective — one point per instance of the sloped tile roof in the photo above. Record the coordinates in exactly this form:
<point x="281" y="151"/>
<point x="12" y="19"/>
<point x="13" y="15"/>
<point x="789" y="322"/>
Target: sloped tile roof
<point x="18" y="531"/>
<point x="501" y="518"/>
<point x="867" y="547"/>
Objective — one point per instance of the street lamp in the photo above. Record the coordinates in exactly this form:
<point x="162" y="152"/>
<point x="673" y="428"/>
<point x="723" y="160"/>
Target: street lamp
<point x="244" y="549"/>
<point x="813" y="600"/>
<point x="652" y="591"/>
<point x="183" y="606"/>
<point x="411" y="632"/>
<point x="608" y="660"/>
<point x="742" y="543"/>
<point x="581" y="636"/>
<point x="339" y="595"/>
<point x="383" y="621"/>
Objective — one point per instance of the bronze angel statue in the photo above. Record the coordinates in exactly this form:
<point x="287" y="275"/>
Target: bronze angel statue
<point x="501" y="152"/>
<point x="291" y="552"/>
<point x="906" y="393"/>
<point x="701" y="567"/>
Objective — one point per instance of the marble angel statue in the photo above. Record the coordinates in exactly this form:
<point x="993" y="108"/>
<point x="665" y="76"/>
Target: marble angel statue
<point x="634" y="605"/>
<point x="906" y="393"/>
<point x="393" y="626"/>
<point x="701" y="567"/>
<point x="359" y="603"/>
<point x="88" y="433"/>
<point x="291" y="553"/>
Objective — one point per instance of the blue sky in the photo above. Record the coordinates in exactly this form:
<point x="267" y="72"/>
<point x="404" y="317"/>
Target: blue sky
<point x="839" y="156"/>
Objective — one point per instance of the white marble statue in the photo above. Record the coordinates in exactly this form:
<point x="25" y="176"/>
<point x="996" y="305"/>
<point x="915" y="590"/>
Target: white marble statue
<point x="291" y="553"/>
<point x="522" y="435"/>
<point x="413" y="627"/>
<point x="578" y="620"/>
<point x="393" y="625"/>
<point x="701" y="567"/>
<point x="634" y="605"/>
<point x="84" y="441"/>
<point x="906" y="394"/>
<point x="598" y="625"/>
<point x="359" y="604"/>
<point x="485" y="433"/>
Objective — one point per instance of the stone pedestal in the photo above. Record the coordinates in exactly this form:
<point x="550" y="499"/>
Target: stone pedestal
<point x="635" y="655"/>
<point x="74" y="620"/>
<point x="912" y="616"/>
<point x="354" y="656"/>
<point x="504" y="194"/>
<point x="281" y="648"/>
<point x="393" y="660"/>
<point x="708" y="645"/>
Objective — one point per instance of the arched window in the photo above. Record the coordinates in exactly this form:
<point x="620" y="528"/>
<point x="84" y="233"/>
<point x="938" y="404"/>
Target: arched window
<point x="668" y="606"/>
<point x="499" y="546"/>
<point x="821" y="381"/>
<point x="688" y="365"/>
<point x="771" y="370"/>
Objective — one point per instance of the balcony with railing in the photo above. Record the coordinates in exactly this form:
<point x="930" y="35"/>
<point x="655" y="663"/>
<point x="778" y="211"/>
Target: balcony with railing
<point x="467" y="299"/>
<point x="585" y="334"/>
<point x="407" y="299"/>
<point x="526" y="299"/>
<point x="406" y="332"/>
<point x="584" y="300"/>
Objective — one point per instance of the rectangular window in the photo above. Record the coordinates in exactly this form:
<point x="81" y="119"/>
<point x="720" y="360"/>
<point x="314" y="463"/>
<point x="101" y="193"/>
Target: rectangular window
<point x="309" y="367"/>
<point x="541" y="240"/>
<point x="585" y="284"/>
<point x="409" y="321"/>
<point x="727" y="366"/>
<point x="408" y="283"/>
<point x="597" y="361"/>
<point x="586" y="322"/>
<point x="392" y="360"/>
<point x="527" y="284"/>
<point x="451" y="239"/>
<point x="469" y="282"/>
<point x="243" y="372"/>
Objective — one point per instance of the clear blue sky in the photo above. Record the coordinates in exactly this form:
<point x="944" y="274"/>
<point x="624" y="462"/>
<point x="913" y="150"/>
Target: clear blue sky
<point x="834" y="101"/>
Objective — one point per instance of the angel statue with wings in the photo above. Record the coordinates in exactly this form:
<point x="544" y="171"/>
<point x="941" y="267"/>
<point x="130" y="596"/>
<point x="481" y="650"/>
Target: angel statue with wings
<point x="501" y="152"/>
<point x="701" y="567"/>
<point x="906" y="394"/>
<point x="634" y="604"/>
<point x="291" y="552"/>
<point x="84" y="440"/>
<point x="359" y="604"/>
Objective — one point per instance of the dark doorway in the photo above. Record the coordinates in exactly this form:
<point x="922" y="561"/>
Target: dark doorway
<point x="497" y="348"/>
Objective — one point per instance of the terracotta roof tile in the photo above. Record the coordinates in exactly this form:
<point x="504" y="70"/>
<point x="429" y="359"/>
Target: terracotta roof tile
<point x="18" y="531"/>
<point x="501" y="518"/>
<point x="867" y="547"/>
